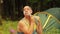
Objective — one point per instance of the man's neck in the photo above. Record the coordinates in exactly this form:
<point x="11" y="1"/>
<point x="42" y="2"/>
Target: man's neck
<point x="28" y="18"/>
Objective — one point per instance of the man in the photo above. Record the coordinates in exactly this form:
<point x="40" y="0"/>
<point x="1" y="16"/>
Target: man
<point x="28" y="24"/>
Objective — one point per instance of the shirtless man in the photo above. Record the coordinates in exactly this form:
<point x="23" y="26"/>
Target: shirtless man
<point x="28" y="25"/>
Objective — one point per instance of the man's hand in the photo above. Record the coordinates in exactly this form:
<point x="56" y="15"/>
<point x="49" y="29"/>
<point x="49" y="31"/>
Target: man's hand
<point x="32" y="21"/>
<point x="39" y="28"/>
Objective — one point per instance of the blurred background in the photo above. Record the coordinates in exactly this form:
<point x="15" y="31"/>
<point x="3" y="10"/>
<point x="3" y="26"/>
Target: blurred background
<point x="11" y="11"/>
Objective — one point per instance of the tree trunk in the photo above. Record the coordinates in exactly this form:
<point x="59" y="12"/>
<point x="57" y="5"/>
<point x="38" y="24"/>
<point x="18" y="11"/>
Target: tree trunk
<point x="41" y="5"/>
<point x="0" y="13"/>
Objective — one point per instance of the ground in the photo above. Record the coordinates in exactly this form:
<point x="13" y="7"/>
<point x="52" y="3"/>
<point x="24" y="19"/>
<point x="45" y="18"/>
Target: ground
<point x="4" y="29"/>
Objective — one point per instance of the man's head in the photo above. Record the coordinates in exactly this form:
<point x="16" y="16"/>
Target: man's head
<point x="27" y="10"/>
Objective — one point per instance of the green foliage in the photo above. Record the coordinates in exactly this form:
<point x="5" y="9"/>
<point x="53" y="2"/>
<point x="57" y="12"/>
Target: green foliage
<point x="33" y="1"/>
<point x="7" y="25"/>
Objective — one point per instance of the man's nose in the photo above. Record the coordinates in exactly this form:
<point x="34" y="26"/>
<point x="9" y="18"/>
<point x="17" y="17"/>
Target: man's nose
<point x="26" y="11"/>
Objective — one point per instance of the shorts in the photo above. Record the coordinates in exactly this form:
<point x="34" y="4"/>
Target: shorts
<point x="20" y="33"/>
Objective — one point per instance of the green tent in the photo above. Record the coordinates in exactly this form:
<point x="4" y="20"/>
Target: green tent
<point x="55" y="12"/>
<point x="51" y="25"/>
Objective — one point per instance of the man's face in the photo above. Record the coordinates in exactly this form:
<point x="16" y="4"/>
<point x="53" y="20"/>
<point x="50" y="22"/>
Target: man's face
<point x="27" y="11"/>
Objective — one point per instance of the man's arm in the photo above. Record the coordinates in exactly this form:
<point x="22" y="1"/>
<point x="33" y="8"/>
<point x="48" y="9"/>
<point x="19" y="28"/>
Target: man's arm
<point x="39" y="27"/>
<point x="25" y="29"/>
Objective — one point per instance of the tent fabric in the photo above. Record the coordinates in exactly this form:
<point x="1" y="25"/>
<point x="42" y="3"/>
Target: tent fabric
<point x="54" y="11"/>
<point x="50" y="23"/>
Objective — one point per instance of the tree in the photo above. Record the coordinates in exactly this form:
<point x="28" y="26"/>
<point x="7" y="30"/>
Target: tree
<point x="0" y="12"/>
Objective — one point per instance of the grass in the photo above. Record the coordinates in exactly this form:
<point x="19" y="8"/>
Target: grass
<point x="4" y="29"/>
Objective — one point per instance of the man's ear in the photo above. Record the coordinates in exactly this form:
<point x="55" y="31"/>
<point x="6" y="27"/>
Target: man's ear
<point x="31" y="11"/>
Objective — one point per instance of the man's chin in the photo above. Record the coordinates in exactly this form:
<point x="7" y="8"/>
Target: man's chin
<point x="27" y="15"/>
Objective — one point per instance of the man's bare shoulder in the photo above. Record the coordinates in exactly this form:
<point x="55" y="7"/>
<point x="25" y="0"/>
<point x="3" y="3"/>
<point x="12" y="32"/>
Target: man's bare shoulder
<point x="21" y="21"/>
<point x="37" y="17"/>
